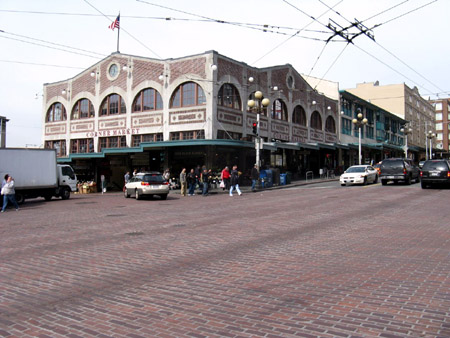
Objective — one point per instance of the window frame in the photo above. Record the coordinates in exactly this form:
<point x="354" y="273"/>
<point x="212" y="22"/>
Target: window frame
<point x="224" y="100"/>
<point x="78" y="105"/>
<point x="180" y="97"/>
<point x="156" y="99"/>
<point x="121" y="106"/>
<point x="51" y="111"/>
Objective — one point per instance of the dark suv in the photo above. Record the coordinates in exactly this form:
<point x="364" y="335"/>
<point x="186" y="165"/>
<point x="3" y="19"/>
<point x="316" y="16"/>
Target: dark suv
<point x="398" y="169"/>
<point x="435" y="172"/>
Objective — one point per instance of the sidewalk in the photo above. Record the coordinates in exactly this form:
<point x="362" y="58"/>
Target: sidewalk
<point x="247" y="189"/>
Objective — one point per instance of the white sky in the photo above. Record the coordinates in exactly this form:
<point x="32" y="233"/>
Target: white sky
<point x="419" y="39"/>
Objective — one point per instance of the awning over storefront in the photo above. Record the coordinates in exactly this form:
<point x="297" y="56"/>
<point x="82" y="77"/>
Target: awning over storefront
<point x="157" y="145"/>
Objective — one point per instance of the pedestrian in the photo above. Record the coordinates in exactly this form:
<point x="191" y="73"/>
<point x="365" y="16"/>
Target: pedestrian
<point x="126" y="179"/>
<point x="134" y="172"/>
<point x="255" y="176"/>
<point x="225" y="177"/>
<point x="167" y="174"/>
<point x="192" y="181"/>
<point x="8" y="192"/>
<point x="206" y="174"/>
<point x="235" y="181"/>
<point x="183" y="182"/>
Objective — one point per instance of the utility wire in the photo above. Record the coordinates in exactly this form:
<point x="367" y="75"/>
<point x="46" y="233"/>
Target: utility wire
<point x="134" y="38"/>
<point x="331" y="66"/>
<point x="40" y="64"/>
<point x="386" y="10"/>
<point x="298" y="32"/>
<point x="52" y="43"/>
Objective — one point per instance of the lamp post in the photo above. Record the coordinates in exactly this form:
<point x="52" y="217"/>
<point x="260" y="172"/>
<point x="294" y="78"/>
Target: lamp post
<point x="406" y="131"/>
<point x="359" y="122"/>
<point x="430" y="136"/>
<point x="257" y="105"/>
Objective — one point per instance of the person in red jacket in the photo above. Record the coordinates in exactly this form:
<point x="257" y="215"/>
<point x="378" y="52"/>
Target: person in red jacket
<point x="225" y="177"/>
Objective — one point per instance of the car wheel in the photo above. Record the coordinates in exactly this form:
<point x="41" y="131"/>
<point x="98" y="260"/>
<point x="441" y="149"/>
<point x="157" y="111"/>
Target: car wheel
<point x="383" y="182"/>
<point x="343" y="184"/>
<point x="375" y="181"/>
<point x="137" y="194"/>
<point x="365" y="181"/>
<point x="163" y="197"/>
<point x="408" y="180"/>
<point x="126" y="194"/>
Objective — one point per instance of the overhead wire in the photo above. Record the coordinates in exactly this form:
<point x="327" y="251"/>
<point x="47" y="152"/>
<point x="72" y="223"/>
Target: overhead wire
<point x="40" y="64"/>
<point x="386" y="10"/>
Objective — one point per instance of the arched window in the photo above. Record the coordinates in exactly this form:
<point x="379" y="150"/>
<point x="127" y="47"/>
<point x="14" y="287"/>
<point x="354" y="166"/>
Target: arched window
<point x="83" y="109"/>
<point x="330" y="125"/>
<point x="258" y="106"/>
<point x="316" y="121"/>
<point x="279" y="110"/>
<point x="113" y="104"/>
<point x="56" y="112"/>
<point x="188" y="94"/>
<point x="299" y="116"/>
<point x="229" y="96"/>
<point x="147" y="99"/>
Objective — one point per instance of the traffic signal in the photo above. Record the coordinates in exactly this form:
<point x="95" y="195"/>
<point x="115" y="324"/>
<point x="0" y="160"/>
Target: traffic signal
<point x="255" y="128"/>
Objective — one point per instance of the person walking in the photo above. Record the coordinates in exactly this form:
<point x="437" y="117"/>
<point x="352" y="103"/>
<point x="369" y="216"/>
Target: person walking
<point x="183" y="182"/>
<point x="192" y="181"/>
<point x="126" y="179"/>
<point x="8" y="192"/>
<point x="235" y="181"/>
<point x="205" y="180"/>
<point x="255" y="176"/>
<point x="225" y="177"/>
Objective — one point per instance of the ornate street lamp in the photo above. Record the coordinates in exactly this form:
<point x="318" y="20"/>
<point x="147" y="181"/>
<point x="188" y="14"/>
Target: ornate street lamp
<point x="257" y="105"/>
<point x="406" y="131"/>
<point x="430" y="136"/>
<point x="359" y="122"/>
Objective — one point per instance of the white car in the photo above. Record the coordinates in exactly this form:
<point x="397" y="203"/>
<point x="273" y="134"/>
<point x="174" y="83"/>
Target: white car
<point x="147" y="183"/>
<point x="359" y="174"/>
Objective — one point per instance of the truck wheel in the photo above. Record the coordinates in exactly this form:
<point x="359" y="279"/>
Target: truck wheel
<point x="65" y="194"/>
<point x="383" y="182"/>
<point x="20" y="198"/>
<point x="48" y="197"/>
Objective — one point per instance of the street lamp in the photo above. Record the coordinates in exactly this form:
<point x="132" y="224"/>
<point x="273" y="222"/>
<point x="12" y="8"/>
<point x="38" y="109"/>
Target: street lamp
<point x="359" y="122"/>
<point x="406" y="131"/>
<point x="257" y="105"/>
<point x="430" y="136"/>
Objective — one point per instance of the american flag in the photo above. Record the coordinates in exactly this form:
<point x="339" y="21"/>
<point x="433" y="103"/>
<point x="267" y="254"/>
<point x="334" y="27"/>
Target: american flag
<point x="116" y="23"/>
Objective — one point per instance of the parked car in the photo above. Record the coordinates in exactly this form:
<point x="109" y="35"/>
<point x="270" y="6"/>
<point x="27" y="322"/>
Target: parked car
<point x="435" y="172"/>
<point x="359" y="174"/>
<point x="147" y="183"/>
<point x="398" y="169"/>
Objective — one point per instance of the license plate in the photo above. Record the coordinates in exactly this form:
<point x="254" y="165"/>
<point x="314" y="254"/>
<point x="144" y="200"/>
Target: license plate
<point x="391" y="177"/>
<point x="434" y="174"/>
<point x="155" y="186"/>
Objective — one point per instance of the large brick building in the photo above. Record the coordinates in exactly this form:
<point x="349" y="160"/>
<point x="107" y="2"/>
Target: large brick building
<point x="129" y="112"/>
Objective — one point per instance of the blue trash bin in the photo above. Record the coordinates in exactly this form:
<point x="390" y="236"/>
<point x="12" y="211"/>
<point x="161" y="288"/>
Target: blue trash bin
<point x="269" y="179"/>
<point x="283" y="179"/>
<point x="263" y="177"/>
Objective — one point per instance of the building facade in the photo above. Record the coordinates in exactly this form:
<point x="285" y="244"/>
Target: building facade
<point x="407" y="104"/>
<point x="442" y="117"/>
<point x="129" y="112"/>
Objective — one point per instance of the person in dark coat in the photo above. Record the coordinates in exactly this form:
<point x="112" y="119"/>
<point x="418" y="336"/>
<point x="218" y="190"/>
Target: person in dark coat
<point x="255" y="176"/>
<point x="235" y="181"/>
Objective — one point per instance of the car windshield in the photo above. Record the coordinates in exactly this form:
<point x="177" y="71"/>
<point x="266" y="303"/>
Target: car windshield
<point x="356" y="170"/>
<point x="153" y="178"/>
<point x="438" y="165"/>
<point x="392" y="164"/>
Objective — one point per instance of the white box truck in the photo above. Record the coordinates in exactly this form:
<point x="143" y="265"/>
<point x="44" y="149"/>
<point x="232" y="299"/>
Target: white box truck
<point x="36" y="173"/>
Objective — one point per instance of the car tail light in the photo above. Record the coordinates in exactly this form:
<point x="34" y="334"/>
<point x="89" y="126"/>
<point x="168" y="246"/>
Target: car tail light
<point x="145" y="183"/>
<point x="404" y="171"/>
<point x="421" y="173"/>
<point x="448" y="173"/>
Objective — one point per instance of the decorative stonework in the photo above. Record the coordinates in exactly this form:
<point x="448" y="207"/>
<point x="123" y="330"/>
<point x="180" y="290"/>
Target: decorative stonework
<point x="81" y="126"/>
<point x="52" y="129"/>
<point x="187" y="116"/>
<point x="330" y="138"/>
<point x="147" y="120"/>
<point x="112" y="124"/>
<point x="229" y="117"/>
<point x="316" y="135"/>
<point x="300" y="134"/>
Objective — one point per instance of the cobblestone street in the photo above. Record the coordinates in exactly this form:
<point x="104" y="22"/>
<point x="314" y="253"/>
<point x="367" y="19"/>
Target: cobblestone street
<point x="309" y="261"/>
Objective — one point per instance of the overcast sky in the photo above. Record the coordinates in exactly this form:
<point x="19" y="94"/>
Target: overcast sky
<point x="411" y="42"/>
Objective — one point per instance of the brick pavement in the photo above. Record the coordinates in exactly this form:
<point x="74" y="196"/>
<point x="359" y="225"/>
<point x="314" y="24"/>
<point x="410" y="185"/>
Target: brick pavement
<point x="283" y="263"/>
